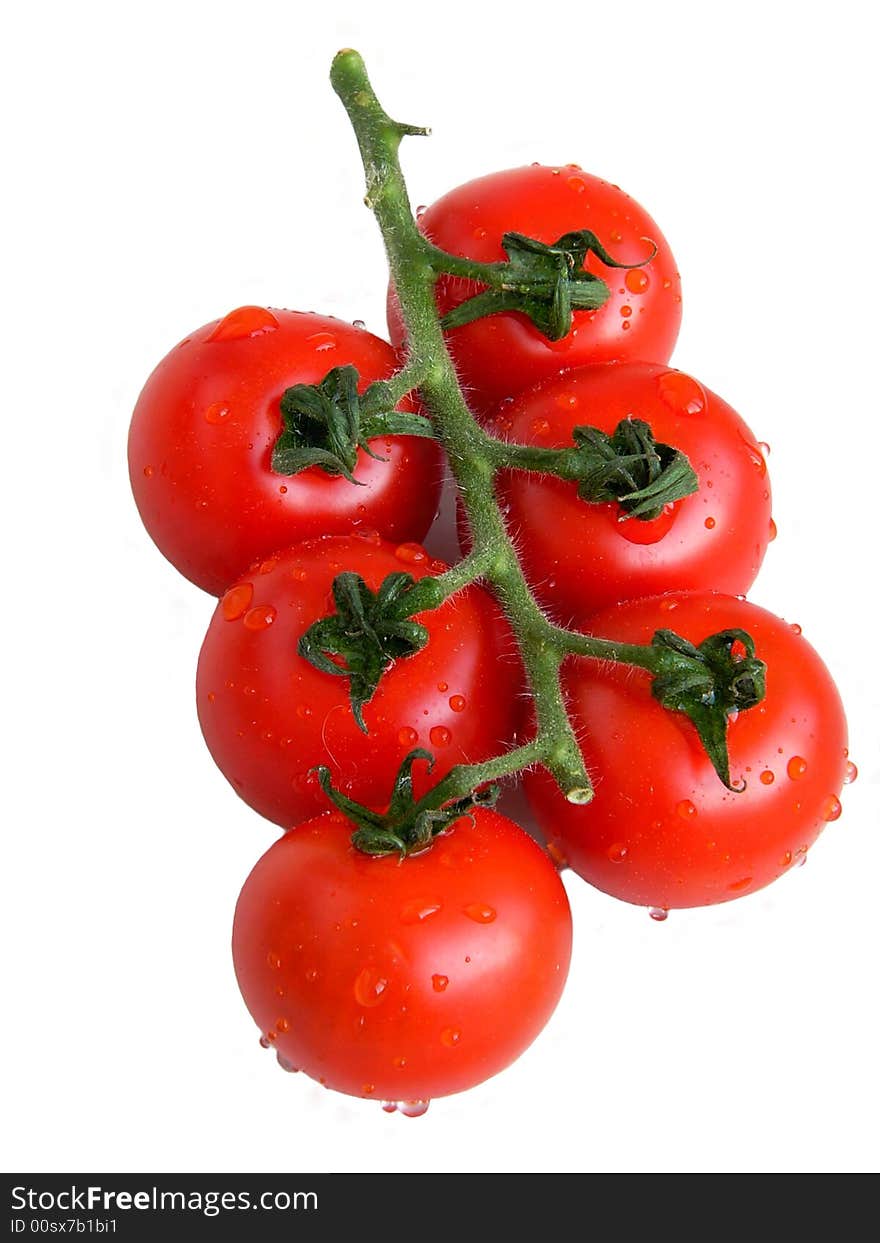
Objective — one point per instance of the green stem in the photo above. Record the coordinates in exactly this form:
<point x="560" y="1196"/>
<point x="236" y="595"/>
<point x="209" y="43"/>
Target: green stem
<point x="464" y="778"/>
<point x="429" y="593"/>
<point x="400" y="384"/>
<point x="490" y="274"/>
<point x="563" y="463"/>
<point x="472" y="461"/>
<point x="707" y="682"/>
<point x="648" y="657"/>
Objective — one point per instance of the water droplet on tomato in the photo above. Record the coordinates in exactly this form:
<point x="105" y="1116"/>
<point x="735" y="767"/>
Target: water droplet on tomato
<point x="457" y="703"/>
<point x="851" y="773"/>
<point x="420" y="211"/>
<point x="411" y="553"/>
<point x="796" y="767"/>
<point x="567" y="400"/>
<point x="260" y="617"/>
<point x="244" y="321"/>
<point x="369" y="987"/>
<point x="685" y="809"/>
<point x="647" y="531"/>
<point x="755" y="454"/>
<point x="786" y="859"/>
<point x="767" y="778"/>
<point x="148" y="472"/>
<point x="831" y="808"/>
<point x="626" y="311"/>
<point x="440" y="736"/>
<point x="389" y="1107"/>
<point x="617" y="852"/>
<point x="440" y="983"/>
<point x="418" y="909"/>
<point x="764" y="447"/>
<point x="479" y="234"/>
<point x="709" y="524"/>
<point x="322" y="342"/>
<point x="739" y="885"/>
<point x="540" y="427"/>
<point x="577" y="184"/>
<point x="442" y="687"/>
<point x="286" y="1064"/>
<point x="236" y="601"/>
<point x="636" y="280"/>
<point x="681" y="392"/>
<point x="658" y="913"/>
<point x="480" y="913"/>
<point x="398" y="1062"/>
<point x="450" y="1036"/>
<point x="273" y="960"/>
<point x="407" y="737"/>
<point x="264" y="1043"/>
<point x="358" y="323"/>
<point x="774" y="531"/>
<point x="217" y="412"/>
<point x="282" y="1025"/>
<point x="796" y="629"/>
<point x="412" y="1109"/>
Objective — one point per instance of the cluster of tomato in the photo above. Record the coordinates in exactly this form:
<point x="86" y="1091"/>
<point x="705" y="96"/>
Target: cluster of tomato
<point x="402" y="979"/>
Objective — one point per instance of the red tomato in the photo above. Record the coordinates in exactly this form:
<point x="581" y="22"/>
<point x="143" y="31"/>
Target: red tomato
<point x="402" y="980"/>
<point x="202" y="434"/>
<point x="268" y="716"/>
<point x="662" y="831"/>
<point x="498" y="356"/>
<point x="581" y="557"/>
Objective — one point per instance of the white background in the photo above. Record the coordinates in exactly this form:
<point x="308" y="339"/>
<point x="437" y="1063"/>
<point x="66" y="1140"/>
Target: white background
<point x="168" y="162"/>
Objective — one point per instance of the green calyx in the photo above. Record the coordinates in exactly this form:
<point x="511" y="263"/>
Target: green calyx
<point x="710" y="682"/>
<point x="368" y="632"/>
<point x="545" y="282"/>
<point x="408" y="825"/>
<point x="630" y="467"/>
<point x="325" y="424"/>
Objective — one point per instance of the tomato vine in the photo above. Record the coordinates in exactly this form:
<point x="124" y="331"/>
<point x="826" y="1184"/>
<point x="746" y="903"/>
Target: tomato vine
<point x="706" y="690"/>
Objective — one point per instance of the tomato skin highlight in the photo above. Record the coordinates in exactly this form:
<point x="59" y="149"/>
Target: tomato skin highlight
<point x="500" y="355"/>
<point x="580" y="557"/>
<point x="201" y="439"/>
<point x="662" y="831"/>
<point x="268" y="716"/>
<point x="402" y="980"/>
